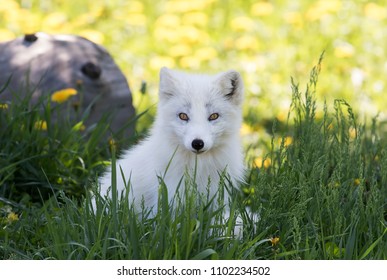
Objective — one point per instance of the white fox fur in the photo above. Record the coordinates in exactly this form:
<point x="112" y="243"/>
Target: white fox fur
<point x="191" y="107"/>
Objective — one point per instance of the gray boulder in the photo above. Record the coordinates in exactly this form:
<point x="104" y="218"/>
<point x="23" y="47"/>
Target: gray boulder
<point x="42" y="64"/>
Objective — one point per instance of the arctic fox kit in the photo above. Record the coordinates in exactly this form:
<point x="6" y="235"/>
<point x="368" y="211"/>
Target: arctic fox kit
<point x="196" y="130"/>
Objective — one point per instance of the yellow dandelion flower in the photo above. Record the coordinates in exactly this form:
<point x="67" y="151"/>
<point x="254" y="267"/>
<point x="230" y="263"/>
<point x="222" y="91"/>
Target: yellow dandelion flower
<point x="257" y="162"/>
<point x="195" y="18"/>
<point x="274" y="241"/>
<point x="288" y="140"/>
<point x="11" y="5"/>
<point x="242" y="24"/>
<point x="136" y="20"/>
<point x="136" y="7"/>
<point x="40" y="125"/>
<point x="98" y="11"/>
<point x="228" y="43"/>
<point x="159" y="61"/>
<point x="184" y="6"/>
<point x="246" y="42"/>
<point x="294" y="18"/>
<point x="352" y="133"/>
<point x="319" y="115"/>
<point x="4" y="106"/>
<point x="6" y="35"/>
<point x="168" y="20"/>
<point x="262" y="9"/>
<point x="322" y="8"/>
<point x="344" y="50"/>
<point x="29" y="22"/>
<point x="245" y="129"/>
<point x="12" y="217"/>
<point x="93" y="35"/>
<point x="180" y="6"/>
<point x="55" y="21"/>
<point x="261" y="162"/>
<point x="206" y="53"/>
<point x="189" y="62"/>
<point x="267" y="163"/>
<point x="168" y="34"/>
<point x="375" y="11"/>
<point x="61" y="96"/>
<point x="356" y="182"/>
<point x="180" y="50"/>
<point x="190" y="34"/>
<point x="282" y="116"/>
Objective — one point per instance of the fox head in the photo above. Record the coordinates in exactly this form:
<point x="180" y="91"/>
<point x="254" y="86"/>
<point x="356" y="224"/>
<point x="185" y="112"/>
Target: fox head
<point x="199" y="112"/>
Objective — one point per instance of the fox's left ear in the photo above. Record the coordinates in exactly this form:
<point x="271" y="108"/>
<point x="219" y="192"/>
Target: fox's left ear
<point x="231" y="85"/>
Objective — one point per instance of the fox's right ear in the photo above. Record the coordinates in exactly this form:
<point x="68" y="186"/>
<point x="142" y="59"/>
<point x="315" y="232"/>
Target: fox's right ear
<point x="167" y="87"/>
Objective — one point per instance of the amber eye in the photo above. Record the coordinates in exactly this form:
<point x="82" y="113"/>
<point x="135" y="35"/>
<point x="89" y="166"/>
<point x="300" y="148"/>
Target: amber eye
<point x="213" y="117"/>
<point x="183" y="116"/>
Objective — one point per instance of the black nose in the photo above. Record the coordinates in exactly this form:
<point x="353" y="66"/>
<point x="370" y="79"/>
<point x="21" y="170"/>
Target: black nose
<point x="197" y="144"/>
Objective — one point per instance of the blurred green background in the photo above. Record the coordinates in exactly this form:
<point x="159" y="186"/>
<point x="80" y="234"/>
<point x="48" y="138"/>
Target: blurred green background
<point x="268" y="41"/>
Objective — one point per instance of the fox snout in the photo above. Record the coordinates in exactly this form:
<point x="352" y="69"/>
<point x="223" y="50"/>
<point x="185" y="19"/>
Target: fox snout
<point x="197" y="145"/>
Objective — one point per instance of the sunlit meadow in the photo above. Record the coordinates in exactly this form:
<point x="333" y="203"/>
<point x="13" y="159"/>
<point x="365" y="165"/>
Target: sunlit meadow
<point x="268" y="41"/>
<point x="329" y="204"/>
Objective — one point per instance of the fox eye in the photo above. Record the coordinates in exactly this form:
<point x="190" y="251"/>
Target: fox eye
<point x="183" y="116"/>
<point x="213" y="117"/>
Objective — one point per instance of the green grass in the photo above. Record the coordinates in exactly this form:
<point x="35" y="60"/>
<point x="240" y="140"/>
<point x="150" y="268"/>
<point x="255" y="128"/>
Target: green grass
<point x="40" y="153"/>
<point x="324" y="195"/>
